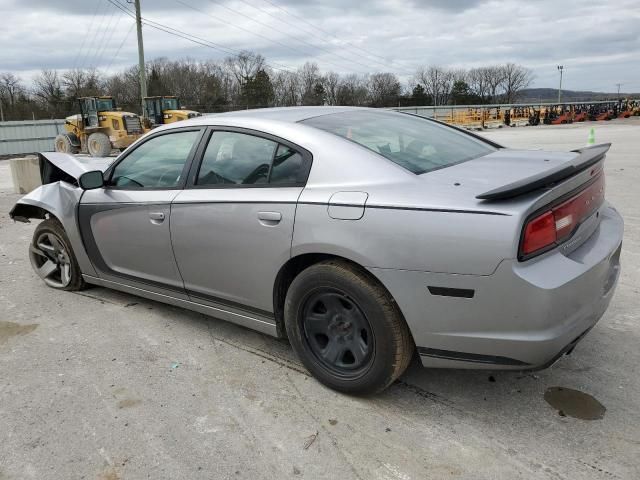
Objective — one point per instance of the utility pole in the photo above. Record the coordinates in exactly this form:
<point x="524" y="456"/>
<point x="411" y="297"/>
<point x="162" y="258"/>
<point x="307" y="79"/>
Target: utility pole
<point x="619" y="85"/>
<point x="143" y="76"/>
<point x="560" y="67"/>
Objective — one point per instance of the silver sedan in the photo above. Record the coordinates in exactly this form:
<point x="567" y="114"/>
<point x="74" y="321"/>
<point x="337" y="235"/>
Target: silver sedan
<point x="364" y="236"/>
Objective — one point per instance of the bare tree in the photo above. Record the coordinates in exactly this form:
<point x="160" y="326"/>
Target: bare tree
<point x="286" y="88"/>
<point x="81" y="83"/>
<point x="437" y="82"/>
<point x="478" y="80"/>
<point x="246" y="80"/>
<point x="10" y="87"/>
<point x="309" y="79"/>
<point x="384" y="89"/>
<point x="245" y="65"/>
<point x="352" y="90"/>
<point x="125" y="88"/>
<point x="47" y="87"/>
<point x="494" y="77"/>
<point x="331" y="82"/>
<point x="515" y="78"/>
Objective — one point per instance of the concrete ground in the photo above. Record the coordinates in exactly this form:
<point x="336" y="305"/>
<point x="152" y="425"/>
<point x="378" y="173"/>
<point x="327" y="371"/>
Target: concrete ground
<point x="103" y="385"/>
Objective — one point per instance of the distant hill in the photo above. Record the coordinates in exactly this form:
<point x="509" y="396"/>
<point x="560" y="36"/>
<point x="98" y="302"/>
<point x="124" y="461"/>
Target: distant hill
<point x="551" y="95"/>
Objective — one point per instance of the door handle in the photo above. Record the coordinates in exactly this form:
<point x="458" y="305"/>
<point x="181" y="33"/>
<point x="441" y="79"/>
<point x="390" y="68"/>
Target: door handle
<point x="269" y="218"/>
<point x="156" y="217"/>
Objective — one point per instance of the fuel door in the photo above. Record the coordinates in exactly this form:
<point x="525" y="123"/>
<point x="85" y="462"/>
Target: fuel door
<point x="347" y="205"/>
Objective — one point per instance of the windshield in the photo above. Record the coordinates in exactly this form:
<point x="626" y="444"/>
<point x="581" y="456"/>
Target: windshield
<point x="170" y="104"/>
<point x="414" y="143"/>
<point x="105" y="104"/>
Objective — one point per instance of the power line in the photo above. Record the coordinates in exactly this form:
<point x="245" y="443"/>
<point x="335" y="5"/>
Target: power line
<point x="201" y="41"/>
<point x="192" y="38"/>
<point x="100" y="42"/>
<point x="96" y="32"/>
<point x="84" y="37"/>
<point x="309" y="32"/>
<point x="255" y="33"/>
<point x="287" y="12"/>
<point x="106" y="44"/>
<point x="121" y="45"/>
<point x="350" y="61"/>
<point x="235" y="26"/>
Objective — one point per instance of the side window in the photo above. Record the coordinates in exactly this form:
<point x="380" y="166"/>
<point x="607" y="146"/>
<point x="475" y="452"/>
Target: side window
<point x="157" y="163"/>
<point x="236" y="158"/>
<point x="243" y="159"/>
<point x="288" y="167"/>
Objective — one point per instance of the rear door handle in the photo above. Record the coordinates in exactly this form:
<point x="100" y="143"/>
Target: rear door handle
<point x="269" y="218"/>
<point x="156" y="217"/>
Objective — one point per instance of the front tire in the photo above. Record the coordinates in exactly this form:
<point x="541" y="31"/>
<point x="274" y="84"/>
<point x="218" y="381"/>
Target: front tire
<point x="99" y="145"/>
<point x="346" y="329"/>
<point x="63" y="144"/>
<point x="53" y="259"/>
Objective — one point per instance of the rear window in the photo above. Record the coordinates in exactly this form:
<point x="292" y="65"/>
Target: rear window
<point x="415" y="143"/>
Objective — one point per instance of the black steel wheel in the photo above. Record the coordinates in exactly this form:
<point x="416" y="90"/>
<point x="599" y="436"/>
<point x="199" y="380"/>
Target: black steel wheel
<point x="338" y="332"/>
<point x="346" y="329"/>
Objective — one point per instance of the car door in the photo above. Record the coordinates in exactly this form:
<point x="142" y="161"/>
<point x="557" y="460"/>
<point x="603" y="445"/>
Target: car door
<point x="232" y="226"/>
<point x="125" y="225"/>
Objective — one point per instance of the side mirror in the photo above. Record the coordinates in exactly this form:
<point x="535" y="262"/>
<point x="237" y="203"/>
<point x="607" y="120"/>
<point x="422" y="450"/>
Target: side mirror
<point x="91" y="180"/>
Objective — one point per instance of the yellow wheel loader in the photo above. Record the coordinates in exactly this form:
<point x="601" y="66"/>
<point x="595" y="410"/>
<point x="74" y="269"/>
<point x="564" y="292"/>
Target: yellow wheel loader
<point x="165" y="109"/>
<point x="99" y="128"/>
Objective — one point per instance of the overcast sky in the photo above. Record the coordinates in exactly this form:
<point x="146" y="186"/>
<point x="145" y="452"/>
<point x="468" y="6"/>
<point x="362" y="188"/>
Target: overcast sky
<point x="598" y="42"/>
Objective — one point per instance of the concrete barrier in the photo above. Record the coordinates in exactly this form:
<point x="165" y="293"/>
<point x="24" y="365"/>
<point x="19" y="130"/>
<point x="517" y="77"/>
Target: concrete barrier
<point x="25" y="173"/>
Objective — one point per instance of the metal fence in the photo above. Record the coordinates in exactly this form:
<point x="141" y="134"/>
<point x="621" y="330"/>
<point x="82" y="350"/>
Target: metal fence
<point x="29" y="136"/>
<point x="493" y="115"/>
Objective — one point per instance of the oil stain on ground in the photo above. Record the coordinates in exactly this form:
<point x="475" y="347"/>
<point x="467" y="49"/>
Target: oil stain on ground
<point x="128" y="403"/>
<point x="574" y="403"/>
<point x="11" y="329"/>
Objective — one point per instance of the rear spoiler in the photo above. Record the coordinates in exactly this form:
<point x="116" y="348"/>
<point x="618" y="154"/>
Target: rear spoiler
<point x="587" y="157"/>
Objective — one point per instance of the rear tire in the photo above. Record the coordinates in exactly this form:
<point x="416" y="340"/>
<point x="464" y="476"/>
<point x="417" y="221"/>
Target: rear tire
<point x="99" y="145"/>
<point x="53" y="259"/>
<point x="63" y="144"/>
<point x="346" y="329"/>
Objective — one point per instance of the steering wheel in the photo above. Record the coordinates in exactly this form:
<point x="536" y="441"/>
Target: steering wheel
<point x="136" y="183"/>
<point x="259" y="171"/>
<point x="168" y="170"/>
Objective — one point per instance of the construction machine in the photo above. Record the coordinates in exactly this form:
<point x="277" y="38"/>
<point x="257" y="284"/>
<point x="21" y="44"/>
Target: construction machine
<point x="534" y="117"/>
<point x="563" y="115"/>
<point x="581" y="114"/>
<point x="165" y="109"/>
<point x="99" y="128"/>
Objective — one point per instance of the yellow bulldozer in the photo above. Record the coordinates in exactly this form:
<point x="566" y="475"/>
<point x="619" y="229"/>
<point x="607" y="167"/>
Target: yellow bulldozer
<point x="99" y="128"/>
<point x="165" y="109"/>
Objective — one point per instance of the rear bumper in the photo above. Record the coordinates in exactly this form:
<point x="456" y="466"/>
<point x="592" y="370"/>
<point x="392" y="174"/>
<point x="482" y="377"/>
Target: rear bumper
<point x="523" y="316"/>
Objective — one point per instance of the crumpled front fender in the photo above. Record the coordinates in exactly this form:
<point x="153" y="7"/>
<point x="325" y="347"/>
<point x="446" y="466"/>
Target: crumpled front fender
<point x="59" y="200"/>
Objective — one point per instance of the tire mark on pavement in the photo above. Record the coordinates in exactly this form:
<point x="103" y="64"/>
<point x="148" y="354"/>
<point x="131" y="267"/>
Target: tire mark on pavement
<point x="303" y="404"/>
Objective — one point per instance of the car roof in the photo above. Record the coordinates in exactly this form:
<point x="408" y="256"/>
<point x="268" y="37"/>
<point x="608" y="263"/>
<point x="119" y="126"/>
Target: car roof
<point x="287" y="114"/>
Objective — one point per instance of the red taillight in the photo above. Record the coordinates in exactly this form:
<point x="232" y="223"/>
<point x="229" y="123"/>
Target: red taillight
<point x="556" y="225"/>
<point x="539" y="233"/>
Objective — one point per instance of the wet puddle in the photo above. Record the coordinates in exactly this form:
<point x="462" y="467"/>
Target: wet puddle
<point x="11" y="329"/>
<point x="573" y="403"/>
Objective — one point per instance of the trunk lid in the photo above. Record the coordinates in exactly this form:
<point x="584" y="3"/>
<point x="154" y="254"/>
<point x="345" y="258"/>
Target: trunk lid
<point x="516" y="183"/>
<point x="508" y="181"/>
